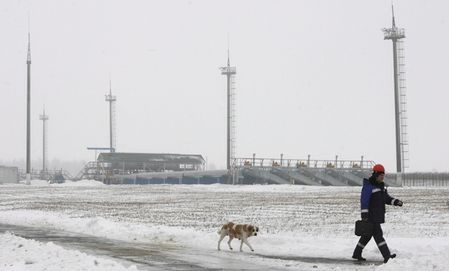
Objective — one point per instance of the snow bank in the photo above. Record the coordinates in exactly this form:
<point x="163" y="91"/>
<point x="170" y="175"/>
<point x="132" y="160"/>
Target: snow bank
<point x="17" y="253"/>
<point x="66" y="183"/>
<point x="36" y="183"/>
<point x="102" y="227"/>
<point x="80" y="183"/>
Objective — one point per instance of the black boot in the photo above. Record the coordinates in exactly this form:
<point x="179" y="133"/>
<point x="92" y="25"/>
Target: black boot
<point x="391" y="257"/>
<point x="358" y="252"/>
<point x="386" y="252"/>
<point x="358" y="258"/>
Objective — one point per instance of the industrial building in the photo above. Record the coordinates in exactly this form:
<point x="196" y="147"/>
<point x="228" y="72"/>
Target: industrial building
<point x="110" y="164"/>
<point x="125" y="162"/>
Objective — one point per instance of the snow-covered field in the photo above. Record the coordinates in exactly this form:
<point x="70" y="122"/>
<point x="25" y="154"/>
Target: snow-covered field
<point x="296" y="222"/>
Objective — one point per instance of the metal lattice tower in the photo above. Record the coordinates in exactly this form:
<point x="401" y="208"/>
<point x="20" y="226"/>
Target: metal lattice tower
<point x="230" y="73"/>
<point x="396" y="35"/>
<point x="112" y="122"/>
<point x="28" y="154"/>
<point x="44" y="119"/>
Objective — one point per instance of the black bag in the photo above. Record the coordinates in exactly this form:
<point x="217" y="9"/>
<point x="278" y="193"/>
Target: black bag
<point x="363" y="228"/>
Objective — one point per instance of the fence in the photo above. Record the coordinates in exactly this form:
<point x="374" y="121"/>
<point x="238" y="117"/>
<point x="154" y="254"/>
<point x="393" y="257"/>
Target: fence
<point x="427" y="179"/>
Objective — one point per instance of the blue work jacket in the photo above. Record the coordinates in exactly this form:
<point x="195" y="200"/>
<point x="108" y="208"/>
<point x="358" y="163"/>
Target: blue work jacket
<point x="373" y="199"/>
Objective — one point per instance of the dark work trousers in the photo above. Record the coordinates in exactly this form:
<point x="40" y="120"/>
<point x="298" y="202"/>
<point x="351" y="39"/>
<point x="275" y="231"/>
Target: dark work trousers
<point x="380" y="241"/>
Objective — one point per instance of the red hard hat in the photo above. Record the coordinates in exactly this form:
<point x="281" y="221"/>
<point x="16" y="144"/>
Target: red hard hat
<point x="379" y="168"/>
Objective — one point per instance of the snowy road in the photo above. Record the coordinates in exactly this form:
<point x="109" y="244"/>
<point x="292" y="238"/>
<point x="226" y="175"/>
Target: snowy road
<point x="173" y="227"/>
<point x="143" y="256"/>
<point x="151" y="257"/>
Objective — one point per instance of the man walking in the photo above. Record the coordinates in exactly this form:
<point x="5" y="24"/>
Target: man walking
<point x="373" y="199"/>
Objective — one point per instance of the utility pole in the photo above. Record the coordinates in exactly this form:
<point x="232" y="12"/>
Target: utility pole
<point x="28" y="154"/>
<point x="396" y="35"/>
<point x="230" y="139"/>
<point x="111" y="100"/>
<point x="44" y="119"/>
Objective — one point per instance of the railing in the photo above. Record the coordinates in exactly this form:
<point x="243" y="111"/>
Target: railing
<point x="94" y="170"/>
<point x="394" y="33"/>
<point x="302" y="163"/>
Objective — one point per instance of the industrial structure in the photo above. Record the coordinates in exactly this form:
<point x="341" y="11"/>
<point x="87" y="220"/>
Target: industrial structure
<point x="44" y="172"/>
<point x="122" y="162"/>
<point x="396" y="35"/>
<point x="146" y="168"/>
<point x="305" y="171"/>
<point x="108" y="166"/>
<point x="230" y="73"/>
<point x="28" y="148"/>
<point x="112" y="136"/>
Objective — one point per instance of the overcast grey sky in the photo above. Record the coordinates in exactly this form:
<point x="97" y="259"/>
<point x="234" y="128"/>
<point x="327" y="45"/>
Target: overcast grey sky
<point x="313" y="77"/>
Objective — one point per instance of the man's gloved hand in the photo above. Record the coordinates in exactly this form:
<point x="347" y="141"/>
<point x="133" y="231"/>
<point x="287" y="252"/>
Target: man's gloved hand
<point x="398" y="202"/>
<point x="364" y="216"/>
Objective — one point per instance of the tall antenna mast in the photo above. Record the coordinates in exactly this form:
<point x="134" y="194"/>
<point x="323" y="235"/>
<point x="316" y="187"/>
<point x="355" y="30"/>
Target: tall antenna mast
<point x="230" y="138"/>
<point x="111" y="99"/>
<point x="396" y="35"/>
<point x="28" y="148"/>
<point x="44" y="119"/>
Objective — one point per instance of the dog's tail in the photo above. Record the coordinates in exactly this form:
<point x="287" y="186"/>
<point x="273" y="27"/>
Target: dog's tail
<point x="220" y="231"/>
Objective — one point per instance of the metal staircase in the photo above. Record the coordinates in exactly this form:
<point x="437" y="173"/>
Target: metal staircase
<point x="263" y="176"/>
<point x="354" y="179"/>
<point x="92" y="170"/>
<point x="325" y="178"/>
<point x="295" y="176"/>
